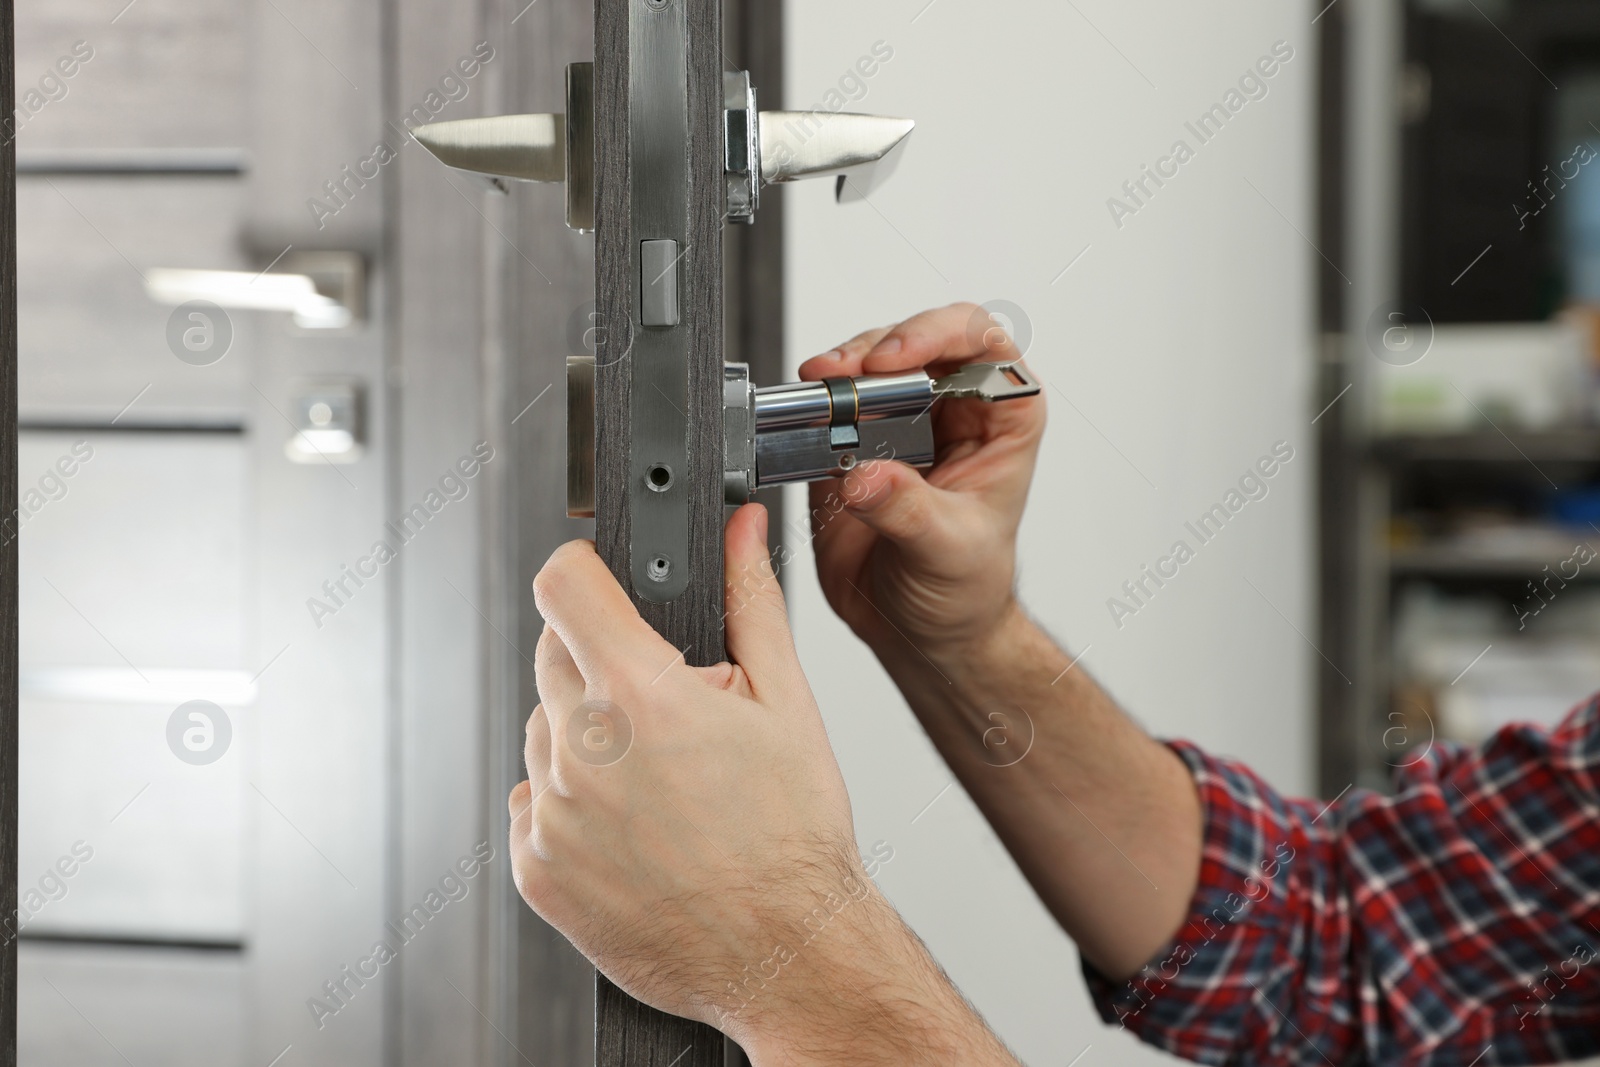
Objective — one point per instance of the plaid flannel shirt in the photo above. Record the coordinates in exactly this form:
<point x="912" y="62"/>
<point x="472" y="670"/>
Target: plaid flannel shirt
<point x="1455" y="923"/>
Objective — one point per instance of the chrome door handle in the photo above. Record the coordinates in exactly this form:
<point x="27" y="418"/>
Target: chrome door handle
<point x="760" y="147"/>
<point x="322" y="290"/>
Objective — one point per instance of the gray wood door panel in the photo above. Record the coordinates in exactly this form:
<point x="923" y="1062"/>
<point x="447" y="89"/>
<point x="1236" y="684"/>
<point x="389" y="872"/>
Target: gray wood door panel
<point x="166" y="841"/>
<point x="318" y="104"/>
<point x="548" y="283"/>
<point x="139" y="553"/>
<point x="165" y="74"/>
<point x="91" y="339"/>
<point x="437" y="355"/>
<point x="152" y="1006"/>
<point x="318" y="792"/>
<point x="323" y="789"/>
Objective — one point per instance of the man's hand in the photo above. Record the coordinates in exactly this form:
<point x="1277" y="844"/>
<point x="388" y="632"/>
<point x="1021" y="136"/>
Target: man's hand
<point x="1095" y="813"/>
<point x="933" y="557"/>
<point x="689" y="831"/>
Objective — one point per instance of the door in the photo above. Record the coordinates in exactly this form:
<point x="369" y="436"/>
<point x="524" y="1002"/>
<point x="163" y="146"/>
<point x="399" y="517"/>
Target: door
<point x="292" y="449"/>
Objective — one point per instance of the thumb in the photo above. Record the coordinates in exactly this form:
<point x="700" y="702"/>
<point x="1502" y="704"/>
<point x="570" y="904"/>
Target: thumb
<point x="759" y="639"/>
<point x="897" y="502"/>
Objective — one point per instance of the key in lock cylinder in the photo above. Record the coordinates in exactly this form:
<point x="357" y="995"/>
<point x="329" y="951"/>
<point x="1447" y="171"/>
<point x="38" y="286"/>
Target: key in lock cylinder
<point x="804" y="431"/>
<point x="808" y="431"/>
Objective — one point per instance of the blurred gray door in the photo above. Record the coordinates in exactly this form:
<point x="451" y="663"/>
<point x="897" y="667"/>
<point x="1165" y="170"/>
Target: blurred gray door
<point x="135" y="535"/>
<point x="312" y="871"/>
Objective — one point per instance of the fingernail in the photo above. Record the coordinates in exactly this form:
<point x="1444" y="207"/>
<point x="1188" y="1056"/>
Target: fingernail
<point x="836" y="355"/>
<point x="888" y="346"/>
<point x="761" y="523"/>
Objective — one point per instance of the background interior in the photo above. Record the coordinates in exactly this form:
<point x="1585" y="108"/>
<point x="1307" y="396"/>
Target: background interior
<point x="1369" y="265"/>
<point x="1177" y="349"/>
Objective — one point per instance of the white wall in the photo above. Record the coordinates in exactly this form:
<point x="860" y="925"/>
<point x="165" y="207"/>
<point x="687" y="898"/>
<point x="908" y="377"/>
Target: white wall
<point x="1184" y="342"/>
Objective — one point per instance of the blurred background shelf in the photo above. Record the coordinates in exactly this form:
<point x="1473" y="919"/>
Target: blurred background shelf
<point x="1460" y="527"/>
<point x="1455" y="565"/>
<point x="1580" y="445"/>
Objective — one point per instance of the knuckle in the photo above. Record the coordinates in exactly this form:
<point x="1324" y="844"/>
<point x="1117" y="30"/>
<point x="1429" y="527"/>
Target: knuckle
<point x="532" y="877"/>
<point x="546" y="582"/>
<point x="543" y="819"/>
<point x="560" y="569"/>
<point x="862" y="343"/>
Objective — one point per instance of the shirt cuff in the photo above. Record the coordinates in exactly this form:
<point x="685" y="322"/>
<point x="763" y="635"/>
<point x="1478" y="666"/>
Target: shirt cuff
<point x="1194" y="998"/>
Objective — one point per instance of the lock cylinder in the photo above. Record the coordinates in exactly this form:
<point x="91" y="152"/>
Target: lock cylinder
<point x="841" y="402"/>
<point x="805" y="431"/>
<point x="808" y="431"/>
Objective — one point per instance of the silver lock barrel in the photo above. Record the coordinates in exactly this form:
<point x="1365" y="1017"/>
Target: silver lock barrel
<point x="807" y="431"/>
<point x="842" y="401"/>
<point x="783" y="407"/>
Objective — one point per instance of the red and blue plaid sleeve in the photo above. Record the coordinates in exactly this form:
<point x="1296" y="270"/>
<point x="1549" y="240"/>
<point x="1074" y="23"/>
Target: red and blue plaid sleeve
<point x="1455" y="923"/>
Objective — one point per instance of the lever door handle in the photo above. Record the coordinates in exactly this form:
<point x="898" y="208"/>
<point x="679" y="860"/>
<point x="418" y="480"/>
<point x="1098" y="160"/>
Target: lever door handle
<point x="761" y="147"/>
<point x="323" y="290"/>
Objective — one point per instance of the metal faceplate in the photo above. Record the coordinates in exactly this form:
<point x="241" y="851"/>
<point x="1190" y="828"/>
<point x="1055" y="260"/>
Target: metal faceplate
<point x="658" y="365"/>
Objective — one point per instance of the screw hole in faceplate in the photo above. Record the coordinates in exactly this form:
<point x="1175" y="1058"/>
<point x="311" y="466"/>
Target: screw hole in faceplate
<point x="658" y="478"/>
<point x="659" y="569"/>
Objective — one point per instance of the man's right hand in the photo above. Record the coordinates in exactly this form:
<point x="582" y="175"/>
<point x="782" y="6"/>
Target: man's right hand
<point x="1096" y="814"/>
<point x="929" y="560"/>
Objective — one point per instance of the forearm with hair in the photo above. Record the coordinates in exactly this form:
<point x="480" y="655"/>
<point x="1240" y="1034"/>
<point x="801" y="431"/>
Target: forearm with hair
<point x="868" y="993"/>
<point x="1104" y="821"/>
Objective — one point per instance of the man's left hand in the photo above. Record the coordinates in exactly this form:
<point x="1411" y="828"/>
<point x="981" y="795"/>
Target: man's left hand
<point x="679" y="822"/>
